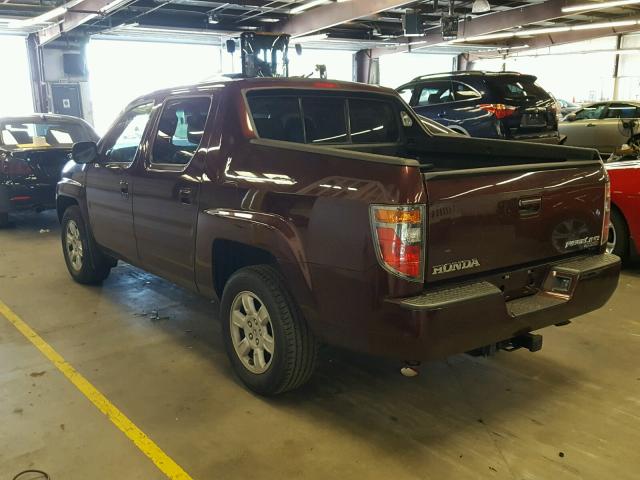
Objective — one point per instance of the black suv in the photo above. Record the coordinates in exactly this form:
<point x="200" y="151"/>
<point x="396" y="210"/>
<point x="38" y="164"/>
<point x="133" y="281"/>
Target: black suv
<point x="503" y="105"/>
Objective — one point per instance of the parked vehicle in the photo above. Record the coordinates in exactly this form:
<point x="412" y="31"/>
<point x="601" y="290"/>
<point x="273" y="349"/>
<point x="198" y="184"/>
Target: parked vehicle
<point x="321" y="211"/>
<point x="502" y="105"/>
<point x="33" y="150"/>
<point x="603" y="126"/>
<point x="624" y="233"/>
<point x="567" y="107"/>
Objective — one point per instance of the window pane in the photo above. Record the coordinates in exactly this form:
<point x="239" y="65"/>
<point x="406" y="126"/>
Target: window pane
<point x="43" y="134"/>
<point x="372" y="122"/>
<point x="180" y="130"/>
<point x="277" y="118"/>
<point x="618" y="110"/>
<point x="324" y="120"/>
<point x="127" y="142"/>
<point x="590" y="113"/>
<point x="406" y="94"/>
<point x="435" y="93"/>
<point x="464" y="92"/>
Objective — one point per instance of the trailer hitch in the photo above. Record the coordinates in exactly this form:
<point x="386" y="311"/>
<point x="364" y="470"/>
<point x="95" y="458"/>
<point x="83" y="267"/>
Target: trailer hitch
<point x="530" y="341"/>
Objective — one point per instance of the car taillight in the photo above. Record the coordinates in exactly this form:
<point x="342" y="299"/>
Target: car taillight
<point x="14" y="167"/>
<point x="499" y="110"/>
<point x="606" y="217"/>
<point x="398" y="235"/>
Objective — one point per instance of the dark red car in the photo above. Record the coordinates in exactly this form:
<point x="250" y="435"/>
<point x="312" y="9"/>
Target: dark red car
<point x="624" y="234"/>
<point x="321" y="211"/>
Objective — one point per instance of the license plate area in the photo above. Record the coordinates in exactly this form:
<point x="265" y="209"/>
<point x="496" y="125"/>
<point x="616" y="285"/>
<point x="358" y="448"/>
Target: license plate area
<point x="533" y="120"/>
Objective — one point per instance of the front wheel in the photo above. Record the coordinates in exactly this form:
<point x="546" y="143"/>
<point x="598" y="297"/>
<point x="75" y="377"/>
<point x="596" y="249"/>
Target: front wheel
<point x="86" y="264"/>
<point x="268" y="342"/>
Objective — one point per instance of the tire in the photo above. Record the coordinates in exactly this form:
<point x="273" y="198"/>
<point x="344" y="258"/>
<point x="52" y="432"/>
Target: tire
<point x="86" y="264"/>
<point x="4" y="220"/>
<point x="618" y="241"/>
<point x="283" y="330"/>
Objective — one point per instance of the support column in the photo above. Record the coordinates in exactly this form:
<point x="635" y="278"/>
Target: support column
<point x="367" y="68"/>
<point x="616" y="67"/>
<point x="36" y="70"/>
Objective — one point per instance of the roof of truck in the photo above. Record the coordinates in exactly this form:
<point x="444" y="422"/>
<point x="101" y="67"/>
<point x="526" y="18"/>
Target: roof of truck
<point x="265" y="82"/>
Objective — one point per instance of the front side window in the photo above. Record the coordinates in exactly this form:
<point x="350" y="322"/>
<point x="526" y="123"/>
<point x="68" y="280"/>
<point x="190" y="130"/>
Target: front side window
<point x="180" y="130"/>
<point x="123" y="141"/>
<point x="593" y="112"/>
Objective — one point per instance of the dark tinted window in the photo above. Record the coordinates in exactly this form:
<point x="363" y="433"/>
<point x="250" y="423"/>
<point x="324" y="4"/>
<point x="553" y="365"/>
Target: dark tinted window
<point x="518" y="88"/>
<point x="324" y="119"/>
<point x="180" y="130"/>
<point x="277" y="118"/>
<point x="372" y="122"/>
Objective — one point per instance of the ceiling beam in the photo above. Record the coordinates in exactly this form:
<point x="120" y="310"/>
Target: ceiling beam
<point x="485" y="24"/>
<point x="81" y="12"/>
<point x="560" y="38"/>
<point x="333" y="14"/>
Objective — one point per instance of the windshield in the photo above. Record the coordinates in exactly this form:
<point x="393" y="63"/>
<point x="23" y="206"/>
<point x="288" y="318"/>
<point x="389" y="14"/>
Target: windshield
<point x="42" y="134"/>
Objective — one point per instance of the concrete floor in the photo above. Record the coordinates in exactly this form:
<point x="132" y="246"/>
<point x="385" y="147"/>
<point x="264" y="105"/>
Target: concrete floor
<point x="570" y="411"/>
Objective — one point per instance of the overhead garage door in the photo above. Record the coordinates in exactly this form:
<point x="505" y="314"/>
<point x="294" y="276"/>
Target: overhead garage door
<point x="15" y="94"/>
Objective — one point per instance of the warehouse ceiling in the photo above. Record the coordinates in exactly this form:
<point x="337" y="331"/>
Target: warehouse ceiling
<point x="340" y="24"/>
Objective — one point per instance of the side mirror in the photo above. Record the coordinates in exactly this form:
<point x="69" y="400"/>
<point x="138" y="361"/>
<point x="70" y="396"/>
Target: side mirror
<point x="571" y="117"/>
<point x="84" y="152"/>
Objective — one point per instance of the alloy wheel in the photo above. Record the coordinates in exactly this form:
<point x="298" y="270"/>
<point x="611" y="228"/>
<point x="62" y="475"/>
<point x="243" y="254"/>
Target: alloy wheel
<point x="74" y="247"/>
<point x="252" y="332"/>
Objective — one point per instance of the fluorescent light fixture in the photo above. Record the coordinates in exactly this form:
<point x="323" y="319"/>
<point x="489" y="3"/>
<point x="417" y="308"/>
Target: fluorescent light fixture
<point x="544" y="31"/>
<point x="268" y="19"/>
<point x="311" y="38"/>
<point x="598" y="5"/>
<point x="307" y="6"/>
<point x="44" y="18"/>
<point x="112" y="6"/>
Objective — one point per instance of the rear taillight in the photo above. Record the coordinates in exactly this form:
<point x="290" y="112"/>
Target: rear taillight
<point x="606" y="217"/>
<point x="398" y="235"/>
<point x="499" y="110"/>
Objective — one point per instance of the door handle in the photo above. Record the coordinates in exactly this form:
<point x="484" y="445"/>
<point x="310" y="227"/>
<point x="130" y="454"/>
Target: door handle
<point x="185" y="195"/>
<point x="124" y="189"/>
<point x="529" y="207"/>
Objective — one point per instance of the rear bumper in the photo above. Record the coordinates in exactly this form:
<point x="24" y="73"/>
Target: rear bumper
<point x="457" y="319"/>
<point x="15" y="198"/>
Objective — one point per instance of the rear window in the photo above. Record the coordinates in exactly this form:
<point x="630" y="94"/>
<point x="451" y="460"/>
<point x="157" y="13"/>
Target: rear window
<point x="518" y="88"/>
<point x="324" y="119"/>
<point x="42" y="134"/>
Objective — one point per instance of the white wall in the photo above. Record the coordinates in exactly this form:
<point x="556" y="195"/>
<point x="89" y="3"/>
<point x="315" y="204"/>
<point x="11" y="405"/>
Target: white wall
<point x="120" y="71"/>
<point x="399" y="68"/>
<point x="15" y="83"/>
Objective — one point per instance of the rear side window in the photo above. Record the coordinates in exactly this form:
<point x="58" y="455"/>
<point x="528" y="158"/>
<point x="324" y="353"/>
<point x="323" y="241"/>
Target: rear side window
<point x="372" y="122"/>
<point x="462" y="91"/>
<point x="435" y="93"/>
<point x="277" y="118"/>
<point x="518" y="88"/>
<point x="324" y="120"/>
<point x="622" y="110"/>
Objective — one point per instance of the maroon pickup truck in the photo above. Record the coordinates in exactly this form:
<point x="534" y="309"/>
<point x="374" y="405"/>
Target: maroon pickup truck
<point x="321" y="211"/>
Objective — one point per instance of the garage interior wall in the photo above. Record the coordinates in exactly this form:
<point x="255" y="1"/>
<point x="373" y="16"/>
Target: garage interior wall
<point x="122" y="70"/>
<point x="629" y="70"/>
<point x="578" y="77"/>
<point x="15" y="94"/>
<point x="399" y="68"/>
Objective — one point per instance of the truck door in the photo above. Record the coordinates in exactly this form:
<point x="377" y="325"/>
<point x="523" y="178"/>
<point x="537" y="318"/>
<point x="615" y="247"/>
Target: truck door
<point x="109" y="183"/>
<point x="166" y="189"/>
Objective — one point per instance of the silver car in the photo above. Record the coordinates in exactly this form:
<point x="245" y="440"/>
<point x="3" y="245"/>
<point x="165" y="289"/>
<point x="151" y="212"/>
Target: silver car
<point x="604" y="126"/>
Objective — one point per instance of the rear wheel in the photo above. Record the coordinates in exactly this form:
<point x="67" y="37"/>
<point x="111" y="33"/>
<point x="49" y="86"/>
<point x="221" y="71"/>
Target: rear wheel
<point x="268" y="342"/>
<point x="618" y="240"/>
<point x="85" y="262"/>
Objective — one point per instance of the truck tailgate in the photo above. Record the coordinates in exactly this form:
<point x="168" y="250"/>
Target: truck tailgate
<point x="488" y="219"/>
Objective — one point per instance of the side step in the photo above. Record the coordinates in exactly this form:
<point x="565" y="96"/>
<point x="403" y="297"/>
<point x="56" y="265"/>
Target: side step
<point x="530" y="341"/>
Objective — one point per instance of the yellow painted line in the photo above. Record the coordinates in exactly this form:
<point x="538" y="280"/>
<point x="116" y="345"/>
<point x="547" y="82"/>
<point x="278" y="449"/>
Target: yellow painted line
<point x="147" y="446"/>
